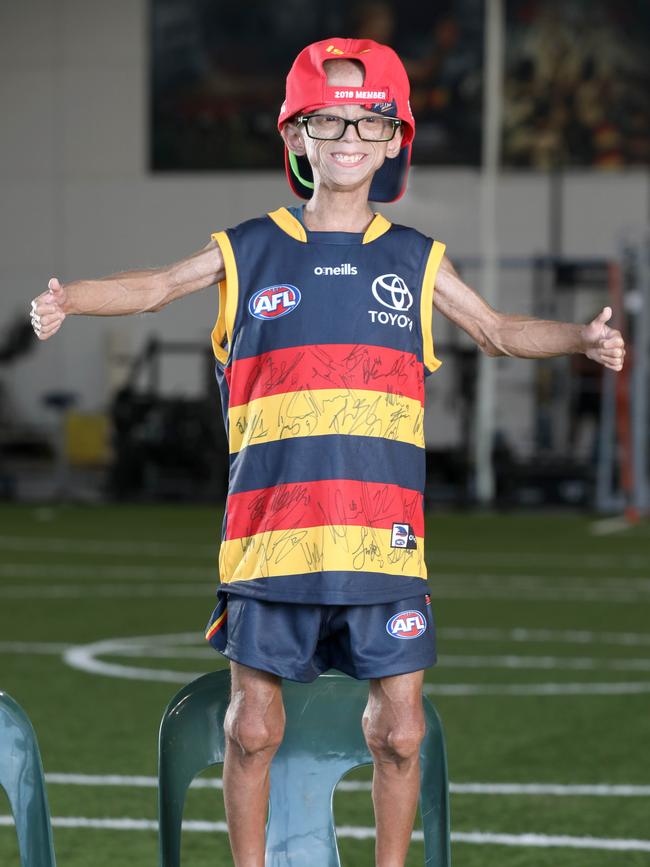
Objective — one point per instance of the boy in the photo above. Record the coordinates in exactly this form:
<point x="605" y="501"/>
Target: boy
<point x="322" y="343"/>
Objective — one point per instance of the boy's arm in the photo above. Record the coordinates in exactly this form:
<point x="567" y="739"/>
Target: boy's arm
<point x="523" y="336"/>
<point x="129" y="292"/>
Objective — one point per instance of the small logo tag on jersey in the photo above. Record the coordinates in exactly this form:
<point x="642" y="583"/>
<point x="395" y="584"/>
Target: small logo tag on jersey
<point x="274" y="301"/>
<point x="402" y="537"/>
<point x="407" y="624"/>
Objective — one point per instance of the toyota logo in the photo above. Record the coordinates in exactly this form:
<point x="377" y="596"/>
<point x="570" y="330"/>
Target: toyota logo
<point x="394" y="290"/>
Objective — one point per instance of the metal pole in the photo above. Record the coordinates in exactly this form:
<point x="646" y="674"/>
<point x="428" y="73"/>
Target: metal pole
<point x="639" y="396"/>
<point x="492" y="110"/>
<point x="606" y="501"/>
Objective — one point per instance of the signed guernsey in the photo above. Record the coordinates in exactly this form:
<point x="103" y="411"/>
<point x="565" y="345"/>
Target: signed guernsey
<point x="322" y="344"/>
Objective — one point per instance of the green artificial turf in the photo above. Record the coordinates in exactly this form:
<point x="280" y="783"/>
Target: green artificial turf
<point x="562" y="607"/>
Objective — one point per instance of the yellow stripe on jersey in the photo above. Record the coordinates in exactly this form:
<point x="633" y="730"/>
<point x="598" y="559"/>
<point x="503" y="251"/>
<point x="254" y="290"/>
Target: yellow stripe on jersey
<point x="323" y="411"/>
<point x="286" y="221"/>
<point x="331" y="547"/>
<point x="426" y="304"/>
<point x="228" y="295"/>
<point x="379" y="226"/>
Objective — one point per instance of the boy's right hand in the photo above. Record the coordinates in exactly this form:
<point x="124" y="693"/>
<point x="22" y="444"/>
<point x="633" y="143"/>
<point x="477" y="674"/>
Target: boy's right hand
<point x="47" y="310"/>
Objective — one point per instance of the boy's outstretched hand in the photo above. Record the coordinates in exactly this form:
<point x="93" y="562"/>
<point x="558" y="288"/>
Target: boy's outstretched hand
<point x="47" y="310"/>
<point x="602" y="343"/>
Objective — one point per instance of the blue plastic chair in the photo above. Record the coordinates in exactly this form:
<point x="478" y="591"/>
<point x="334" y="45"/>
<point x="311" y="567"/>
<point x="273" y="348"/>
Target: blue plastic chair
<point x="323" y="741"/>
<point x="21" y="776"/>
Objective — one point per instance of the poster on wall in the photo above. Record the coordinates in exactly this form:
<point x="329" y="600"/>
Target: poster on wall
<point x="576" y="78"/>
<point x="218" y="70"/>
<point x="577" y="84"/>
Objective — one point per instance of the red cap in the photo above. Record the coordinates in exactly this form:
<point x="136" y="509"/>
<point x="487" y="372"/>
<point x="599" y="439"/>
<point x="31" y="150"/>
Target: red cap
<point x="385" y="89"/>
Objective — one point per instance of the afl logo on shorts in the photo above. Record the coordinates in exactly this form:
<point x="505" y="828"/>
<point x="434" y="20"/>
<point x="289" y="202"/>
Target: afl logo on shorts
<point x="407" y="624"/>
<point x="274" y="301"/>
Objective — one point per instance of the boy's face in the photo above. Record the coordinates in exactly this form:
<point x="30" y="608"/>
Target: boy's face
<point x="348" y="163"/>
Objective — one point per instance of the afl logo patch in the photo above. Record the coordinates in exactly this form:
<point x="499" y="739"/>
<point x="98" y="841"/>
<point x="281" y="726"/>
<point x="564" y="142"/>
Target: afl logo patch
<point x="274" y="301"/>
<point x="407" y="624"/>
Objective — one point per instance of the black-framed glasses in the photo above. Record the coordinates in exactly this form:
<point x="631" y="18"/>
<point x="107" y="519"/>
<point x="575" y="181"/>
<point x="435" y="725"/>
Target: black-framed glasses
<point x="330" y="127"/>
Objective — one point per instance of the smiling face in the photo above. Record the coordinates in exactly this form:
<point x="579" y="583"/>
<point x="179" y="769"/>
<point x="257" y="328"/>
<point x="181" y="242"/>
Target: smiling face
<point x="348" y="163"/>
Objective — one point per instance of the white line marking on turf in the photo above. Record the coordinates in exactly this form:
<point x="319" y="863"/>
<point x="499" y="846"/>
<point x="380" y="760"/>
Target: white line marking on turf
<point x="481" y="838"/>
<point x="107" y="591"/>
<point x="542" y="636"/>
<point x="86" y="658"/>
<point x="105" y="546"/>
<point x="544" y="663"/>
<point x="475" y="557"/>
<point x="509" y="662"/>
<point x="545" y="841"/>
<point x="547" y="689"/>
<point x="35" y="647"/>
<point x="608" y="526"/>
<point x="92" y="571"/>
<point x="597" y="790"/>
<point x="555" y="790"/>
<point x="518" y="635"/>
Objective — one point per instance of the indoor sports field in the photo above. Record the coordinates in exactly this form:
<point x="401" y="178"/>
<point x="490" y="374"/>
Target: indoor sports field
<point x="543" y="684"/>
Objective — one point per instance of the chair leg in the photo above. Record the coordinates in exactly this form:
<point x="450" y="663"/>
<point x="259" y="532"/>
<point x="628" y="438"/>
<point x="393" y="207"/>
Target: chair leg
<point x="190" y="740"/>
<point x="34" y="830"/>
<point x="434" y="798"/>
<point x="21" y="776"/>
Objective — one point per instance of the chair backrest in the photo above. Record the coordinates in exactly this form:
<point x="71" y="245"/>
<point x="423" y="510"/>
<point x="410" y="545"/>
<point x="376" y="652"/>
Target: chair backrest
<point x="323" y="741"/>
<point x="21" y="776"/>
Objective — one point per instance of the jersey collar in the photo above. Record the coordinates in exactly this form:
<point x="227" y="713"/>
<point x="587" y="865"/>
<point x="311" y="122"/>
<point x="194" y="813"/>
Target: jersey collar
<point x="295" y="229"/>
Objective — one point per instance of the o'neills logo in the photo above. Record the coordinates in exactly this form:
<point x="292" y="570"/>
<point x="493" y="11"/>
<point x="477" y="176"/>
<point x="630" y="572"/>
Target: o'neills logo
<point x="338" y="270"/>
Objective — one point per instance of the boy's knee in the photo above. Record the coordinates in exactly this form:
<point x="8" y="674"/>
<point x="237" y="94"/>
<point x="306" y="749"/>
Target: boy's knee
<point x="254" y="730"/>
<point x="398" y="742"/>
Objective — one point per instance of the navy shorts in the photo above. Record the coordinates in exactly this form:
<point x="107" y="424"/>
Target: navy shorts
<point x="298" y="641"/>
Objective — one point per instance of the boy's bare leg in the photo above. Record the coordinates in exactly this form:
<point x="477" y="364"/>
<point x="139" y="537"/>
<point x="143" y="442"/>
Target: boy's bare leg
<point x="394" y="725"/>
<point x="254" y="726"/>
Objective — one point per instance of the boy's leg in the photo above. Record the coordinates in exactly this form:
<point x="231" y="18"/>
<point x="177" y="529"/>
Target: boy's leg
<point x="394" y="726"/>
<point x="254" y="727"/>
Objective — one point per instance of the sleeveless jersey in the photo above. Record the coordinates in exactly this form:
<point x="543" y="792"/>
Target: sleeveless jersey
<point x="322" y="344"/>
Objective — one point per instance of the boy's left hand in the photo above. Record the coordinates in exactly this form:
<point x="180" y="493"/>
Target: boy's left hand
<point x="602" y="343"/>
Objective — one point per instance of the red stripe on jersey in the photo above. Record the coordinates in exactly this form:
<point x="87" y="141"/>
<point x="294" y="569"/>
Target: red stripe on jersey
<point x="312" y="504"/>
<point x="328" y="365"/>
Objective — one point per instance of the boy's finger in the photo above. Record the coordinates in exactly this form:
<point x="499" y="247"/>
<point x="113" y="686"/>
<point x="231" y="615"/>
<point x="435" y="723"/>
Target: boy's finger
<point x="44" y="309"/>
<point x="605" y="315"/>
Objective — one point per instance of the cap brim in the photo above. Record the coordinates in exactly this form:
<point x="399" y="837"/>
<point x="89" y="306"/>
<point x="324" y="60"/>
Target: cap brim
<point x="388" y="184"/>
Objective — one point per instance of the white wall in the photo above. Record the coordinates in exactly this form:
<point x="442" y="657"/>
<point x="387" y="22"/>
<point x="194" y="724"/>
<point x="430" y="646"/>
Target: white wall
<point x="77" y="201"/>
